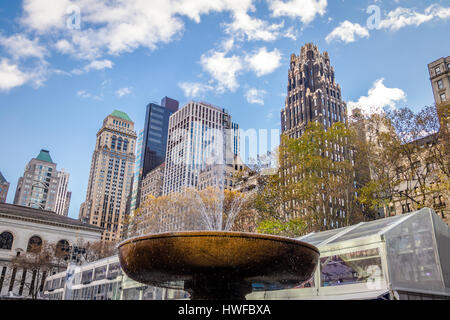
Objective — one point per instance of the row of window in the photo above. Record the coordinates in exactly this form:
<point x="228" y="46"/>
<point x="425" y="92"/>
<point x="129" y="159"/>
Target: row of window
<point x="34" y="243"/>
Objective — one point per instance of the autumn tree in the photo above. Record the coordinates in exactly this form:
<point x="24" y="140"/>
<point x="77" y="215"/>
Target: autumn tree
<point x="408" y="158"/>
<point x="39" y="261"/>
<point x="315" y="186"/>
<point x="98" y="250"/>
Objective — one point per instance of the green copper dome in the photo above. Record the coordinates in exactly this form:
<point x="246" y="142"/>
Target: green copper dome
<point x="44" y="155"/>
<point x="121" y="115"/>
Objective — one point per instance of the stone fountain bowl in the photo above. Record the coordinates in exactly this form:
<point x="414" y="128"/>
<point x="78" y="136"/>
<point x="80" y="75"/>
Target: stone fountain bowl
<point x="217" y="265"/>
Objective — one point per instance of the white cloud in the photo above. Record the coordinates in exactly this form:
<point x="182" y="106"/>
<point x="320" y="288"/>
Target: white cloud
<point x="379" y="97"/>
<point x="306" y="10"/>
<point x="20" y="47"/>
<point x="44" y="15"/>
<point x="86" y="95"/>
<point x="94" y="65"/>
<point x="83" y="94"/>
<point x="116" y="27"/>
<point x="264" y="62"/>
<point x="255" y="96"/>
<point x="194" y="89"/>
<point x="252" y="28"/>
<point x="403" y="17"/>
<point x="123" y="92"/>
<point x="223" y="69"/>
<point x="11" y="76"/>
<point x="347" y="32"/>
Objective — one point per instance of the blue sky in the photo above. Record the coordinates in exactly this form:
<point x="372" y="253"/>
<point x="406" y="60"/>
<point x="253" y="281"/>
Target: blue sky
<point x="65" y="65"/>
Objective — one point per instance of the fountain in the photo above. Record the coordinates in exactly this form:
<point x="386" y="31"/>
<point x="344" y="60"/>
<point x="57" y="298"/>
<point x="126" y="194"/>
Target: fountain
<point x="216" y="264"/>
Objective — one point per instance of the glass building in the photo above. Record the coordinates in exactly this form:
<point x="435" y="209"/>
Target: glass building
<point x="404" y="257"/>
<point x="152" y="150"/>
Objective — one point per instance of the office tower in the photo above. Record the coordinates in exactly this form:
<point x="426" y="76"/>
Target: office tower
<point x="135" y="192"/>
<point x="313" y="94"/>
<point x="4" y="187"/>
<point x="111" y="175"/>
<point x="153" y="183"/>
<point x="39" y="185"/>
<point x="152" y="145"/>
<point x="440" y="79"/>
<point x="63" y="195"/>
<point x="209" y="178"/>
<point x="200" y="135"/>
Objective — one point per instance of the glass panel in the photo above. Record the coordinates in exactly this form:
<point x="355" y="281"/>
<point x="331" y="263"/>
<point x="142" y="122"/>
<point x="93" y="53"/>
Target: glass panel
<point x="351" y="268"/>
<point x="100" y="273"/>
<point x="411" y="253"/>
<point x="369" y="228"/>
<point x="86" y="276"/>
<point x="114" y="270"/>
<point x="131" y="294"/>
<point x="318" y="238"/>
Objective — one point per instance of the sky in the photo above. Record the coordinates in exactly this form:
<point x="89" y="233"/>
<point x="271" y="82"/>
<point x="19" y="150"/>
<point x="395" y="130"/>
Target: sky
<point x="66" y="64"/>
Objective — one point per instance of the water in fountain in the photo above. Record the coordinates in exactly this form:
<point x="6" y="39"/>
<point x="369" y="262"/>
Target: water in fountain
<point x="211" y="201"/>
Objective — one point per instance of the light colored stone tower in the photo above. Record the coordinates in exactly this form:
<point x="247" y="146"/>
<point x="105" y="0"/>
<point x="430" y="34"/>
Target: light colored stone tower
<point x="38" y="186"/>
<point x="63" y="194"/>
<point x="111" y="176"/>
<point x="200" y="134"/>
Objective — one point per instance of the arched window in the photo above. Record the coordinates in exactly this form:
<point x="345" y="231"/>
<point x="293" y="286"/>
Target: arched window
<point x="6" y="240"/>
<point x="62" y="248"/>
<point x="34" y="244"/>
<point x="113" y="142"/>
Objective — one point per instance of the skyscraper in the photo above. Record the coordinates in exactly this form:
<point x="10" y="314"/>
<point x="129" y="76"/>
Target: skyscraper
<point x="42" y="186"/>
<point x="63" y="195"/>
<point x="111" y="176"/>
<point x="152" y="145"/>
<point x="200" y="135"/>
<point x="312" y="93"/>
<point x="4" y="187"/>
<point x="314" y="96"/>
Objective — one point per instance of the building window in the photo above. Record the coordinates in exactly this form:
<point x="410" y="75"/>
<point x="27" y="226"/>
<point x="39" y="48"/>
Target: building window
<point x="6" y="240"/>
<point x="443" y="97"/>
<point x="34" y="244"/>
<point x="62" y="248"/>
<point x="437" y="70"/>
<point x="440" y="84"/>
<point x="113" y="142"/>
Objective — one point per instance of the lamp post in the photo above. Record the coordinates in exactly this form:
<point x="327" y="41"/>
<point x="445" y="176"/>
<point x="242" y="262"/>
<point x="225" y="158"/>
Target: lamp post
<point x="73" y="257"/>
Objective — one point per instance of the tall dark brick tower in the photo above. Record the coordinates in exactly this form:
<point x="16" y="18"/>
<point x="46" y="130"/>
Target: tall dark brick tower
<point x="313" y="94"/>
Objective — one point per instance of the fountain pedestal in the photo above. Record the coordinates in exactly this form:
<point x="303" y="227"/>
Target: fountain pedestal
<point x="212" y="288"/>
<point x="217" y="265"/>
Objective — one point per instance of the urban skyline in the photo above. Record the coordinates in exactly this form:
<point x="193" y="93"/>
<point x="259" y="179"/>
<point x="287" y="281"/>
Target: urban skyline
<point x="94" y="89"/>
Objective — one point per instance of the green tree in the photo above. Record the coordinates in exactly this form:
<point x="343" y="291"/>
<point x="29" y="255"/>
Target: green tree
<point x="315" y="183"/>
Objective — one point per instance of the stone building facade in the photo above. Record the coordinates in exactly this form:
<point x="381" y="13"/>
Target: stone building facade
<point x="312" y="93"/>
<point x="152" y="183"/>
<point x="440" y="79"/>
<point x="4" y="187"/>
<point x="20" y="226"/>
<point x="42" y="186"/>
<point x="111" y="176"/>
<point x="200" y="134"/>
